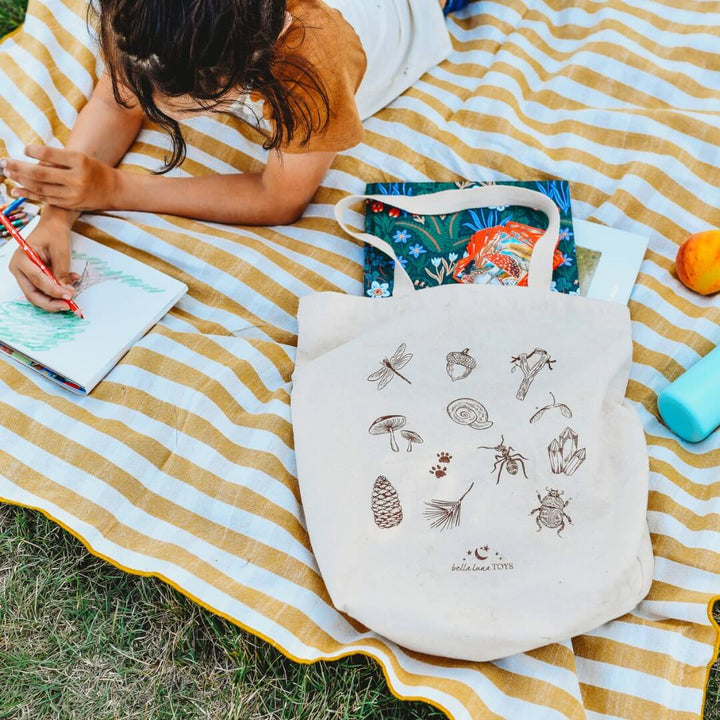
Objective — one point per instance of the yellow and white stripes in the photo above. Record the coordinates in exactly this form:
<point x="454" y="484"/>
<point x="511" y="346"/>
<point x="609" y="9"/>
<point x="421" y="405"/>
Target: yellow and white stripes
<point x="181" y="463"/>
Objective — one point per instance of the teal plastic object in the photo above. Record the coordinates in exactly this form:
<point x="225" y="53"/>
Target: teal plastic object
<point x="690" y="406"/>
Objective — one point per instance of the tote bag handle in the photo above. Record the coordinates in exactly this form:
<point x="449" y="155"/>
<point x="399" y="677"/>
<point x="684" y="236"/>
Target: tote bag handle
<point x="449" y="201"/>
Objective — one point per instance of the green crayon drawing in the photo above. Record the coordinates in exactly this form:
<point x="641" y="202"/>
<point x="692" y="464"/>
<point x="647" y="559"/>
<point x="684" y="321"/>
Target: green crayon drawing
<point x="97" y="271"/>
<point x="33" y="328"/>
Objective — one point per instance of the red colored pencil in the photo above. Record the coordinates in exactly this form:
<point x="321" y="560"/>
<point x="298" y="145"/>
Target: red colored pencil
<point x="35" y="258"/>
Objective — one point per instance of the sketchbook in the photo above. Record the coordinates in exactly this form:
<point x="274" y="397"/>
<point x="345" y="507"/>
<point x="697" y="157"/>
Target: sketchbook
<point x="121" y="300"/>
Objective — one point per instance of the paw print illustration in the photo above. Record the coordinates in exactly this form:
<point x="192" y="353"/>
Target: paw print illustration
<point x="444" y="457"/>
<point x="438" y="471"/>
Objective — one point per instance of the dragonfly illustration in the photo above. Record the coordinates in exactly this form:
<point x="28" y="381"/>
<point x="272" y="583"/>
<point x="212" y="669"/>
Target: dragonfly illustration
<point x="390" y="368"/>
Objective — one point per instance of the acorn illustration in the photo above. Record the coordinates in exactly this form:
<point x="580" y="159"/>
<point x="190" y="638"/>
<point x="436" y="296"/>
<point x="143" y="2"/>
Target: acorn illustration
<point x="385" y="504"/>
<point x="460" y="364"/>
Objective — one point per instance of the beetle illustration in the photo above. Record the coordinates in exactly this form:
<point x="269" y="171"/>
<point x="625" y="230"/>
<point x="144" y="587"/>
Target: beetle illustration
<point x="505" y="457"/>
<point x="551" y="512"/>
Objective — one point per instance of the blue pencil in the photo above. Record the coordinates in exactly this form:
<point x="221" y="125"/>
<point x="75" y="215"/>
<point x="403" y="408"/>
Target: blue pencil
<point x="14" y="206"/>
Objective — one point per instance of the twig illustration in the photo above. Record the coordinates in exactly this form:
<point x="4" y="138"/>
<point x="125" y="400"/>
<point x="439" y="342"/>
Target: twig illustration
<point x="565" y="457"/>
<point x="391" y="367"/>
<point x="445" y="514"/>
<point x="466" y="411"/>
<point x="385" y="504"/>
<point x="530" y="371"/>
<point x="564" y="409"/>
<point x="508" y="461"/>
<point x="388" y="424"/>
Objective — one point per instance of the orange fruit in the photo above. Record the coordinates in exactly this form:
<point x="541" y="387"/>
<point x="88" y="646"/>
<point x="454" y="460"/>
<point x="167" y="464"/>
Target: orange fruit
<point x="698" y="262"/>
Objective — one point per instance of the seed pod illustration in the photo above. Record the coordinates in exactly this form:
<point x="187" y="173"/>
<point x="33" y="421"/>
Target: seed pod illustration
<point x="385" y="504"/>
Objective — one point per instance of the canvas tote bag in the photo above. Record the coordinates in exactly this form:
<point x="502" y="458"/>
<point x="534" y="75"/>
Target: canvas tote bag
<point x="473" y="480"/>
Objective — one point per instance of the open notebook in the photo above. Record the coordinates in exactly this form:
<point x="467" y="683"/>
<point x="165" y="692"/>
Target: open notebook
<point x="121" y="299"/>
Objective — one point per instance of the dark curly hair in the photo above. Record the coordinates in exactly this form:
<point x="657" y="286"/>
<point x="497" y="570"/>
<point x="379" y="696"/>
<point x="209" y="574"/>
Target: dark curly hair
<point x="204" y="49"/>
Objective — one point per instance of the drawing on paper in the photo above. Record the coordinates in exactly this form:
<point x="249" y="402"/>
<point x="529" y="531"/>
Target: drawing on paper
<point x="97" y="270"/>
<point x="23" y="324"/>
<point x="505" y="457"/>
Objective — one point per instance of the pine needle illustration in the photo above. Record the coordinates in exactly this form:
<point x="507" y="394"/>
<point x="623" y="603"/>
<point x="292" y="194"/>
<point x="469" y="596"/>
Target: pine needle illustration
<point x="445" y="513"/>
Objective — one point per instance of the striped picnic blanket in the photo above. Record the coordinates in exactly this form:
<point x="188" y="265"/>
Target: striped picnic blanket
<point x="180" y="464"/>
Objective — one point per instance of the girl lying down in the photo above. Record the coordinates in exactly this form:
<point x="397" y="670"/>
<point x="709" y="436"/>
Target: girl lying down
<point x="305" y="72"/>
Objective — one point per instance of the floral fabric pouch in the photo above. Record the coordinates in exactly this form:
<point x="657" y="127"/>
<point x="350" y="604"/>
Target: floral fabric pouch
<point x="490" y="245"/>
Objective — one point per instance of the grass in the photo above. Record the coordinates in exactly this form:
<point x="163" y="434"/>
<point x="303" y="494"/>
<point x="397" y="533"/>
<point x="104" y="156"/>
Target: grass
<point x="81" y="639"/>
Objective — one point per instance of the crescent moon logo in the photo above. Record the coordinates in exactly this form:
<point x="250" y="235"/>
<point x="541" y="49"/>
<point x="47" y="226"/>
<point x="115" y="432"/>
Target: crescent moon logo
<point x="478" y="556"/>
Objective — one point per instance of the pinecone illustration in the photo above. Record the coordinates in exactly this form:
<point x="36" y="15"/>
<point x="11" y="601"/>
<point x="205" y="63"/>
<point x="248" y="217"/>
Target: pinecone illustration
<point x="385" y="504"/>
<point x="460" y="364"/>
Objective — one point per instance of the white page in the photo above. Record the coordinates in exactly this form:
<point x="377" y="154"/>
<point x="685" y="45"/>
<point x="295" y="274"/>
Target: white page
<point x="121" y="299"/>
<point x="620" y="254"/>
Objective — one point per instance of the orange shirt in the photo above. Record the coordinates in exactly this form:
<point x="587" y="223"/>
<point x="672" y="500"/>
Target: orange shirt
<point x="321" y="36"/>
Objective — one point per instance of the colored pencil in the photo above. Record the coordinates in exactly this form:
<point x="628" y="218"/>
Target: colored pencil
<point x="35" y="259"/>
<point x="14" y="206"/>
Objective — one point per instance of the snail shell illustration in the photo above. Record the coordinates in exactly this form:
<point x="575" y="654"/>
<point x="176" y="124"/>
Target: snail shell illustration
<point x="466" y="411"/>
<point x="460" y="364"/>
<point x="385" y="504"/>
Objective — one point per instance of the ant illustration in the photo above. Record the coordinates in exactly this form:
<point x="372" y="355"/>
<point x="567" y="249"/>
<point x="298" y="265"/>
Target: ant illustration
<point x="505" y="458"/>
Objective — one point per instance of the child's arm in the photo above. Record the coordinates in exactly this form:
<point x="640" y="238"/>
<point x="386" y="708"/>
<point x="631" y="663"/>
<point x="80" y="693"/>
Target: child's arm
<point x="276" y="196"/>
<point x="75" y="182"/>
<point x="83" y="178"/>
<point x="104" y="130"/>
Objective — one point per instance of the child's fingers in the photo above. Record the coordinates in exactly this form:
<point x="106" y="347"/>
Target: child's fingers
<point x="41" y="281"/>
<point x="58" y="200"/>
<point x="38" y="298"/>
<point x="57" y="156"/>
<point x="25" y="172"/>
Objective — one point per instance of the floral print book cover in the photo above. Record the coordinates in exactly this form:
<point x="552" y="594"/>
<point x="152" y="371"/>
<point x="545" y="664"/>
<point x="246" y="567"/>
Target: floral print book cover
<point x="487" y="245"/>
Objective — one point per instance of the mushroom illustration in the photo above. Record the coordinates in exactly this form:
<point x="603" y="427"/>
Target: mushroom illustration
<point x="412" y="437"/>
<point x="504" y="262"/>
<point x="388" y="424"/>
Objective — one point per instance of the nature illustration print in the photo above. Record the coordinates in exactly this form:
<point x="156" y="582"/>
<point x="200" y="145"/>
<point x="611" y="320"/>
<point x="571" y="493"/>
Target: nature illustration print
<point x="391" y="368"/>
<point x="565" y="456"/>
<point x="564" y="409"/>
<point x="388" y="424"/>
<point x="466" y="411"/>
<point x="529" y="371"/>
<point x="460" y="364"/>
<point x="445" y="514"/>
<point x="440" y="470"/>
<point x="551" y="512"/>
<point x="506" y="459"/>
<point x="385" y="504"/>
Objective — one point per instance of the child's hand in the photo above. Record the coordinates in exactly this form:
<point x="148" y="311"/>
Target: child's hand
<point x="64" y="178"/>
<point x="51" y="241"/>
